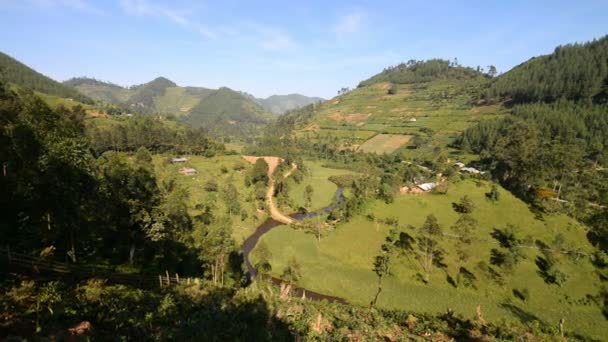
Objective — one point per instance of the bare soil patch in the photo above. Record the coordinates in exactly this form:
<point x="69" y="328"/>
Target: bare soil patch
<point x="272" y="162"/>
<point x="356" y="117"/>
<point x="96" y="114"/>
<point x="335" y="116"/>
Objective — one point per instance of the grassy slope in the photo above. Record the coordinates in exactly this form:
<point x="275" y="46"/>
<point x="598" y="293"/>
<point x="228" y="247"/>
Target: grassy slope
<point x="180" y="100"/>
<point x="209" y="169"/>
<point x="443" y="106"/>
<point x="324" y="190"/>
<point x="341" y="264"/>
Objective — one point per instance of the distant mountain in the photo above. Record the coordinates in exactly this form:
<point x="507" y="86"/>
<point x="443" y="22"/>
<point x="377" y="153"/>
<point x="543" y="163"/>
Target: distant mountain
<point x="279" y="104"/>
<point x="143" y="98"/>
<point x="226" y="111"/>
<point x="158" y="96"/>
<point x="99" y="90"/>
<point x="15" y="72"/>
<point x="221" y="111"/>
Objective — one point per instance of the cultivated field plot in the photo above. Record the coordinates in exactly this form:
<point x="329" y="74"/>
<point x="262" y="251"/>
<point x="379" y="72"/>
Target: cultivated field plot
<point x="385" y="143"/>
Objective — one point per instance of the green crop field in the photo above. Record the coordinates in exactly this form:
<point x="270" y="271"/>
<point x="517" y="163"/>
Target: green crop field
<point x="385" y="143"/>
<point x="341" y="263"/>
<point x="317" y="177"/>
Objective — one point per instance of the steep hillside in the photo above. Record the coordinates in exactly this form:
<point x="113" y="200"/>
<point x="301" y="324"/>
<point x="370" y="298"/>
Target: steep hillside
<point x="279" y="104"/>
<point x="415" y="117"/>
<point x="15" y="72"/>
<point x="226" y="111"/>
<point x="573" y="71"/>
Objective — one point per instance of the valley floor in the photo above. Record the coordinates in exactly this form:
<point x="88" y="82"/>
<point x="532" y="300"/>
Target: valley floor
<point x="341" y="263"/>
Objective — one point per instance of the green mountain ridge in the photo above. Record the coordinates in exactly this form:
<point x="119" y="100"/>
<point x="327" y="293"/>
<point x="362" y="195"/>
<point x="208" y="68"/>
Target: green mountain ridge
<point x="14" y="72"/>
<point x="225" y="111"/>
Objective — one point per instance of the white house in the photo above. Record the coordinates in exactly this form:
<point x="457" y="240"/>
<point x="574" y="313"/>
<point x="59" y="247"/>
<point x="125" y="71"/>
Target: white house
<point x="470" y="170"/>
<point x="427" y="186"/>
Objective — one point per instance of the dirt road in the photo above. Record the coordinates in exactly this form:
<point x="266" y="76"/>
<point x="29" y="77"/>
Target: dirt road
<point x="273" y="162"/>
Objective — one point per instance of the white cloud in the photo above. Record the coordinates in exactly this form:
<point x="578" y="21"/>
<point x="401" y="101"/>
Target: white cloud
<point x="179" y="17"/>
<point x="265" y="37"/>
<point x="349" y="23"/>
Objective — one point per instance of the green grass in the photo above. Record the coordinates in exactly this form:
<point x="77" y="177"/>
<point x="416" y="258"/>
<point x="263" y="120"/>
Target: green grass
<point x="209" y="169"/>
<point x="341" y="263"/>
<point x="318" y="178"/>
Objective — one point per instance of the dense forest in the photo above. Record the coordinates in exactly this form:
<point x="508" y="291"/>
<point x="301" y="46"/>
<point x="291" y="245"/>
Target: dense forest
<point x="574" y="72"/>
<point x="13" y="71"/>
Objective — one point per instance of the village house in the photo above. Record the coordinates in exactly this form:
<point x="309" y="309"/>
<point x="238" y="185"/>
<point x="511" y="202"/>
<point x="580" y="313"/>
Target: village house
<point x="187" y="171"/>
<point x="471" y="170"/>
<point x="179" y="160"/>
<point x="427" y="186"/>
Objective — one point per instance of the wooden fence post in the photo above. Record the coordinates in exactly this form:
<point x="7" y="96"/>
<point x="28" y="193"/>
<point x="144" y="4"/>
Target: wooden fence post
<point x="160" y="280"/>
<point x="177" y="277"/>
<point x="168" y="279"/>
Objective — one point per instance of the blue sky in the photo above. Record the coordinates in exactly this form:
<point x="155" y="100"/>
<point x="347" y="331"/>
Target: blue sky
<point x="280" y="47"/>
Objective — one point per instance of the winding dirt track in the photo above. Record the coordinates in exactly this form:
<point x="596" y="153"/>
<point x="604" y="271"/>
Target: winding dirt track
<point x="273" y="163"/>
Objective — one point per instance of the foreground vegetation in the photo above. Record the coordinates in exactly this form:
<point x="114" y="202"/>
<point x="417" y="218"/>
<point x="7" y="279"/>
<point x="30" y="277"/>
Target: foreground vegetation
<point x="97" y="310"/>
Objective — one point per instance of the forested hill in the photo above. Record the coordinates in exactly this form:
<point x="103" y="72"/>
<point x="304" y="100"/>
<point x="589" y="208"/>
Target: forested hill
<point x="15" y="72"/>
<point x="144" y="95"/>
<point x="225" y="111"/>
<point x="424" y="71"/>
<point x="573" y="71"/>
<point x="552" y="147"/>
